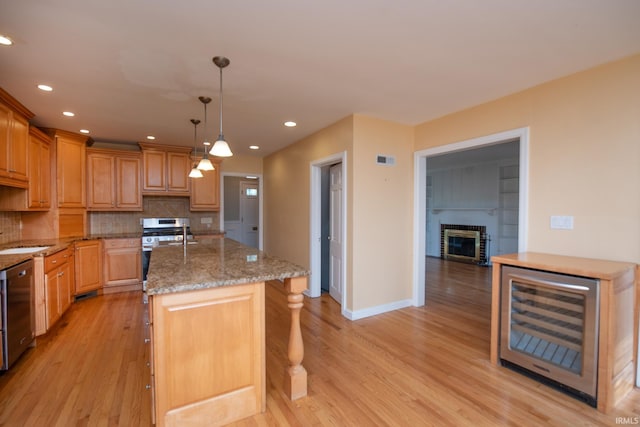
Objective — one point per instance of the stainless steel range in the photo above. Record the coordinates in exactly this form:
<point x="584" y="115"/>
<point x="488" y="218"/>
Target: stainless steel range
<point x="161" y="231"/>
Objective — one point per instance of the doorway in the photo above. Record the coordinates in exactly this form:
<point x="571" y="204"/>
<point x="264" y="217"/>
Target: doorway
<point x="328" y="227"/>
<point x="420" y="197"/>
<point x="241" y="216"/>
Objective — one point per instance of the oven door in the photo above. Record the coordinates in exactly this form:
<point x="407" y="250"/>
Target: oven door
<point x="549" y="326"/>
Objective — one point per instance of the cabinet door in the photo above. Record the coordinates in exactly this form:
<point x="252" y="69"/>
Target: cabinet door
<point x="128" y="194"/>
<point x="154" y="170"/>
<point x="64" y="288"/>
<point x="178" y="165"/>
<point x="71" y="168"/>
<point x="101" y="181"/>
<point x="122" y="265"/>
<point x="51" y="291"/>
<point x="5" y="126"/>
<point x="45" y="175"/>
<point x="18" y="142"/>
<point x="205" y="191"/>
<point x="88" y="266"/>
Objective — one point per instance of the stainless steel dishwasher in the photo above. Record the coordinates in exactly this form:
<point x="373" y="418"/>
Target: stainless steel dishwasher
<point x="17" y="315"/>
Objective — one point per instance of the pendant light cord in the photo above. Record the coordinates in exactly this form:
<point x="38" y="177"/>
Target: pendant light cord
<point x="221" y="133"/>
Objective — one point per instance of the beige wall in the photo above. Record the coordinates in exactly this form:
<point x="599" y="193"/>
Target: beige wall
<point x="382" y="213"/>
<point x="379" y="206"/>
<point x="584" y="153"/>
<point x="242" y="164"/>
<point x="287" y="176"/>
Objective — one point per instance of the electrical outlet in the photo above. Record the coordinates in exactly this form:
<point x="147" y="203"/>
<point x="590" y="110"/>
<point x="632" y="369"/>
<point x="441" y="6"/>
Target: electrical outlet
<point x="206" y="220"/>
<point x="562" y="222"/>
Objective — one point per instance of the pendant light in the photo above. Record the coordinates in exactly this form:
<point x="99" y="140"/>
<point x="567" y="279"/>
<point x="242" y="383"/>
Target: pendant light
<point x="221" y="148"/>
<point x="205" y="164"/>
<point x="195" y="172"/>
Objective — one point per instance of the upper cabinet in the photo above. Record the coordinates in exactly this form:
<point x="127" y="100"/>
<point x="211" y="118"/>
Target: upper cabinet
<point x="205" y="191"/>
<point x="165" y="169"/>
<point x="113" y="180"/>
<point x="14" y="136"/>
<point x="71" y="151"/>
<point x="39" y="170"/>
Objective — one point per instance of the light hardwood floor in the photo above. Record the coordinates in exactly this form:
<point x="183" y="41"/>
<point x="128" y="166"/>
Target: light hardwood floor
<point x="411" y="367"/>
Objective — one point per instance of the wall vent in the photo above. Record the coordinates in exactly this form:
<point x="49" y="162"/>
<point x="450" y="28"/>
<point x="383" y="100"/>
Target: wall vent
<point x="385" y="160"/>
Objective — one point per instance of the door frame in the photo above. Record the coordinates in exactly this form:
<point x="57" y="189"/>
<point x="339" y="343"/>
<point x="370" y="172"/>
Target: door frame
<point x="420" y="198"/>
<point x="260" y="202"/>
<point x="315" y="253"/>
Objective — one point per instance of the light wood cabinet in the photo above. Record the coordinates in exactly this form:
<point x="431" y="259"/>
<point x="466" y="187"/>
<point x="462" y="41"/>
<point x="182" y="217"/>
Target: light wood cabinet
<point x="39" y="170"/>
<point x="37" y="197"/>
<point x="122" y="265"/>
<point x="165" y="169"/>
<point x="56" y="289"/>
<point x="205" y="191"/>
<point x="204" y="378"/>
<point x="113" y="180"/>
<point x="71" y="169"/>
<point x="14" y="136"/>
<point x="88" y="266"/>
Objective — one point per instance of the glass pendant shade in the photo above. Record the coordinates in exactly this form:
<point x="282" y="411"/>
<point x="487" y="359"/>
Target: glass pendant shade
<point x="221" y="148"/>
<point x="205" y="164"/>
<point x="195" y="173"/>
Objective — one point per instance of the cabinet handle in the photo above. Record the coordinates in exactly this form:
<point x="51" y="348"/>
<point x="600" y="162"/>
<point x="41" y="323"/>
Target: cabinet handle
<point x="147" y="340"/>
<point x="148" y="364"/>
<point x="148" y="386"/>
<point x="55" y="261"/>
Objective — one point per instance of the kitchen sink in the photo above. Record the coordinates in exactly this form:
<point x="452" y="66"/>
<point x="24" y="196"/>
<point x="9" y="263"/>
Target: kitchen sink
<point x="25" y="250"/>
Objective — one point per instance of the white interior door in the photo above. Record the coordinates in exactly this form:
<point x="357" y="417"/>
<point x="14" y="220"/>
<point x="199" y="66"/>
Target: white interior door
<point x="335" y="233"/>
<point x="249" y="213"/>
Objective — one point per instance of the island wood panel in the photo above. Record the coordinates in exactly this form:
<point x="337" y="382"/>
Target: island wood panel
<point x="208" y="355"/>
<point x="617" y="315"/>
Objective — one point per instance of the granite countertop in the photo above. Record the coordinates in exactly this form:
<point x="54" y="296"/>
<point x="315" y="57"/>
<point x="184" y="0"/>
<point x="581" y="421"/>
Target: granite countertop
<point x="213" y="263"/>
<point x="56" y="245"/>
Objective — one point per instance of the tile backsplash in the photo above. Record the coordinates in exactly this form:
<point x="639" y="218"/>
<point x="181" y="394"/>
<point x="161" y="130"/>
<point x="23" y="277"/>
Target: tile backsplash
<point x="9" y="227"/>
<point x="124" y="222"/>
<point x="154" y="207"/>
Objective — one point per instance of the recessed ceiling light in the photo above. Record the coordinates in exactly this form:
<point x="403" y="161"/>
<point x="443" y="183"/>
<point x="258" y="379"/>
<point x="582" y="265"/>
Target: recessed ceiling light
<point x="206" y="143"/>
<point x="290" y="124"/>
<point x="45" y="88"/>
<point x="5" y="41"/>
<point x="251" y="177"/>
<point x="151" y="137"/>
<point x="254" y="147"/>
<point x="84" y="130"/>
<point x="68" y="113"/>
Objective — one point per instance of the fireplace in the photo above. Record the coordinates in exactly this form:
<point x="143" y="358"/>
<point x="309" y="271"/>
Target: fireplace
<point x="465" y="243"/>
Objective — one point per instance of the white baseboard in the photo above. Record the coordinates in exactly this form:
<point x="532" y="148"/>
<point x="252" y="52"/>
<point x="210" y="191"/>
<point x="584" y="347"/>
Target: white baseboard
<point x="372" y="311"/>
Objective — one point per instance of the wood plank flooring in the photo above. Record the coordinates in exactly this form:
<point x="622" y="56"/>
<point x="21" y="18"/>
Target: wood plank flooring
<point x="426" y="366"/>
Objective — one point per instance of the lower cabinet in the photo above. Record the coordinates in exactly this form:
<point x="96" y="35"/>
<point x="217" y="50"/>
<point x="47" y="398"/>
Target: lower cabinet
<point x="53" y="276"/>
<point x="122" y="265"/>
<point x="207" y="355"/>
<point x="88" y="266"/>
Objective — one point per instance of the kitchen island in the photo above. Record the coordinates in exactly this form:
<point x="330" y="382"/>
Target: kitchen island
<point x="207" y="331"/>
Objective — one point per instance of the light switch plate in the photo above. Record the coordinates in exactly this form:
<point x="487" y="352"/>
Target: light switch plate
<point x="562" y="222"/>
<point x="205" y="220"/>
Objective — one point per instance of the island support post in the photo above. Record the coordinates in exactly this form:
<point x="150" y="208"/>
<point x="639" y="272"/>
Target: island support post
<point x="295" y="377"/>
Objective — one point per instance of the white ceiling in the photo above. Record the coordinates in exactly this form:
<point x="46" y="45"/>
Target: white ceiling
<point x="130" y="68"/>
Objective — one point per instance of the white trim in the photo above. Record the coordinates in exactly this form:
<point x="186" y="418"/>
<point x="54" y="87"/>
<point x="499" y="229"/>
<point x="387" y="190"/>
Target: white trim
<point x="373" y="311"/>
<point x="315" y="253"/>
<point x="260" y="202"/>
<point x="420" y="197"/>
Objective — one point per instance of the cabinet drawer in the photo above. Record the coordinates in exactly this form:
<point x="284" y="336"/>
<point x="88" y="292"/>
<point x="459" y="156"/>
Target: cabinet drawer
<point x="122" y="243"/>
<point x="55" y="260"/>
